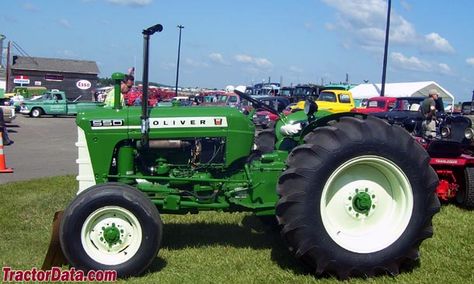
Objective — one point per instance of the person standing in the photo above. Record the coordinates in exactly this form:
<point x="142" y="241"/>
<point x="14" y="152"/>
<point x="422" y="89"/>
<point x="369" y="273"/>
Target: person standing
<point x="3" y="129"/>
<point x="125" y="87"/>
<point x="428" y="110"/>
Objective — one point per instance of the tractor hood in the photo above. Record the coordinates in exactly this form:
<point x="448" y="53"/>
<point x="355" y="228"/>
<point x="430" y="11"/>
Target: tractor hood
<point x="171" y="118"/>
<point x="103" y="126"/>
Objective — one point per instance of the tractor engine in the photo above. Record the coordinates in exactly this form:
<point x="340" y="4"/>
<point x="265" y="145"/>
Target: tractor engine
<point x="189" y="154"/>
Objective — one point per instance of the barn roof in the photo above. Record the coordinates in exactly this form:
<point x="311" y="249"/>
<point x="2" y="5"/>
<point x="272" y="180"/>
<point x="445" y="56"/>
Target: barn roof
<point x="54" y="65"/>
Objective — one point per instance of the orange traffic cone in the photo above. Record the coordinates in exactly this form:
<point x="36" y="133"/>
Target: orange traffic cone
<point x="3" y="166"/>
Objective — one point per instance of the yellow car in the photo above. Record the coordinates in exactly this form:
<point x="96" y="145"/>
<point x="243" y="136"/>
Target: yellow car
<point x="333" y="100"/>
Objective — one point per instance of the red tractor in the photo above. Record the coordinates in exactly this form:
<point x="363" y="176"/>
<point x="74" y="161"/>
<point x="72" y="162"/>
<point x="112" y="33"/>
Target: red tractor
<point x="451" y="153"/>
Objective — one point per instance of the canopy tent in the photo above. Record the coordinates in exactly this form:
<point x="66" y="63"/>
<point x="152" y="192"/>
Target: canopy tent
<point x="409" y="89"/>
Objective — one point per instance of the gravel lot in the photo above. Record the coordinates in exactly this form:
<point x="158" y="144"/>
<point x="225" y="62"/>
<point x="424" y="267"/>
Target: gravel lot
<point x="43" y="147"/>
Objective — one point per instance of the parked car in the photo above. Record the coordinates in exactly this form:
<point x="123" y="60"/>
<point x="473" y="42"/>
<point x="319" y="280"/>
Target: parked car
<point x="335" y="101"/>
<point x="377" y="104"/>
<point x="301" y="92"/>
<point x="218" y="99"/>
<point x="54" y="103"/>
<point x="263" y="118"/>
<point x="406" y="113"/>
<point x="467" y="108"/>
<point x="287" y="91"/>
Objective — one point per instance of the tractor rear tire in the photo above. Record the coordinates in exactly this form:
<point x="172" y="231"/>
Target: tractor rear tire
<point x="465" y="195"/>
<point x="111" y="226"/>
<point x="357" y="198"/>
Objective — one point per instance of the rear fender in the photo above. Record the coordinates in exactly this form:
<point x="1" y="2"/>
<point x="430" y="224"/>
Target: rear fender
<point x="324" y="121"/>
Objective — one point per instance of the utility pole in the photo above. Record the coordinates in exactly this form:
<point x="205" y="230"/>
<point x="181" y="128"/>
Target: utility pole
<point x="2" y="37"/>
<point x="387" y="32"/>
<point x="7" y="76"/>
<point x="180" y="27"/>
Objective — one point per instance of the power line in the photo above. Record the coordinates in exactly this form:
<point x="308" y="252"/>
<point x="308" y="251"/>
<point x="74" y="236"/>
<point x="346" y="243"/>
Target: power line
<point x="23" y="52"/>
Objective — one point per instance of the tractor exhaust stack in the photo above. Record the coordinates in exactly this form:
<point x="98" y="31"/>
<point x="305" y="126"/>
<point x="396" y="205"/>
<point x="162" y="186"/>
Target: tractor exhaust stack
<point x="145" y="127"/>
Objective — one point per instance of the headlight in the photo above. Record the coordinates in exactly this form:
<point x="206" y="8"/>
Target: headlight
<point x="445" y="132"/>
<point x="469" y="133"/>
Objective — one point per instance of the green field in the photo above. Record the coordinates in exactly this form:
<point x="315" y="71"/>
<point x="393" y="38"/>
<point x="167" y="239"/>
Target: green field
<point x="219" y="247"/>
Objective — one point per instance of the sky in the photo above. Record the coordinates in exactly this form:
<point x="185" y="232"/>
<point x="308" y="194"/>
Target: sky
<point x="245" y="42"/>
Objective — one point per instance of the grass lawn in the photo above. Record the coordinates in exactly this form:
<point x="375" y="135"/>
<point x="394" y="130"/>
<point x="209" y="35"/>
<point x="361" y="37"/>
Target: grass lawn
<point x="219" y="247"/>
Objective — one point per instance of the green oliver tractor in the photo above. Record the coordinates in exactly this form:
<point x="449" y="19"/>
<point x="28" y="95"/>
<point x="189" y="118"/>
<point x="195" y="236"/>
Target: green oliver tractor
<point x="352" y="194"/>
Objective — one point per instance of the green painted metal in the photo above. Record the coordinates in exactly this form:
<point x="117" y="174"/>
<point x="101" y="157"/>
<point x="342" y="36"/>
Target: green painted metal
<point x="197" y="159"/>
<point x="117" y="77"/>
<point x="296" y="117"/>
<point x="111" y="235"/>
<point x="125" y="165"/>
<point x="362" y="202"/>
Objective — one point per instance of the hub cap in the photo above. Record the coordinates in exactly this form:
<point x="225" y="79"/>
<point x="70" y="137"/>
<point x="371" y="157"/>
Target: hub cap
<point x="366" y="204"/>
<point x="111" y="235"/>
<point x="362" y="203"/>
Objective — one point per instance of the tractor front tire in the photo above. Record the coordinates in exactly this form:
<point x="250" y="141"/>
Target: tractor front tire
<point x="357" y="198"/>
<point x="111" y="226"/>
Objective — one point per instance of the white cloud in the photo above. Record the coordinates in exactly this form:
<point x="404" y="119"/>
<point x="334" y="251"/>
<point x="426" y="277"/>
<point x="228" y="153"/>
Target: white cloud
<point x="330" y="26"/>
<point x="243" y="58"/>
<point x="262" y="62"/>
<point x="64" y="23"/>
<point x="434" y="42"/>
<point x="359" y="13"/>
<point x="443" y="68"/>
<point x="402" y="31"/>
<point x="168" y="66"/>
<point x="30" y="7"/>
<point x="405" y="5"/>
<point x="470" y="61"/>
<point x="409" y="63"/>
<point x="371" y="35"/>
<point x="255" y="61"/>
<point x="217" y="57"/>
<point x="295" y="69"/>
<point x="67" y="53"/>
<point x="195" y="63"/>
<point x="309" y="26"/>
<point x="130" y="2"/>
<point x="415" y="64"/>
<point x="364" y="21"/>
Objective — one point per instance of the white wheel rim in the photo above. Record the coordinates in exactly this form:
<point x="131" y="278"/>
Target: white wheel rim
<point x="97" y="225"/>
<point x="391" y="204"/>
<point x="35" y="112"/>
